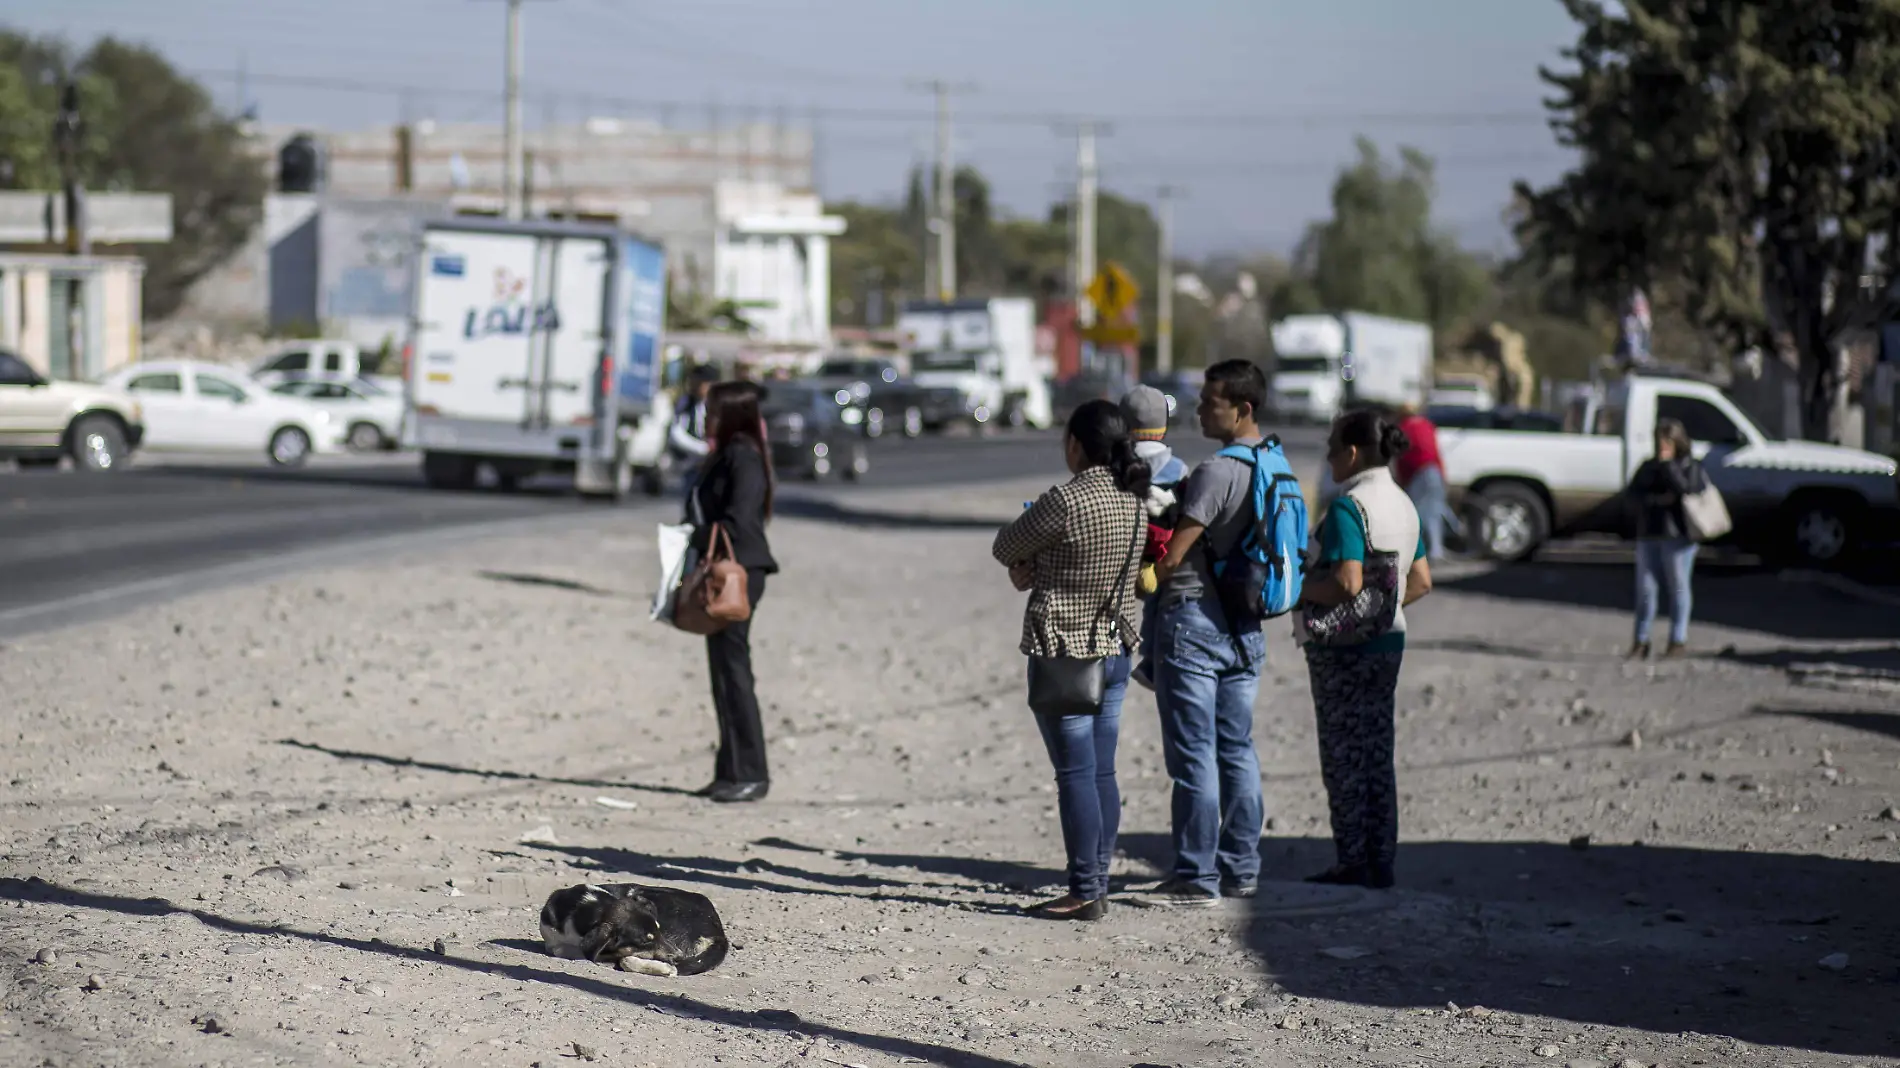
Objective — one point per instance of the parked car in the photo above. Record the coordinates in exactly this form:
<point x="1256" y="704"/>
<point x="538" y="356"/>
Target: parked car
<point x="816" y="429"/>
<point x="335" y="360"/>
<point x="43" y="421"/>
<point x="1794" y="500"/>
<point x="884" y="392"/>
<point x="1183" y="390"/>
<point x="193" y="406"/>
<point x="371" y="415"/>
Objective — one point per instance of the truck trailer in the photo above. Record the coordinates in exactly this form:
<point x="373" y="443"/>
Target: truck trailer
<point x="535" y="347"/>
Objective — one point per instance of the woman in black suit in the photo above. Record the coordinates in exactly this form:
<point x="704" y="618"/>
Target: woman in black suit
<point x="735" y="491"/>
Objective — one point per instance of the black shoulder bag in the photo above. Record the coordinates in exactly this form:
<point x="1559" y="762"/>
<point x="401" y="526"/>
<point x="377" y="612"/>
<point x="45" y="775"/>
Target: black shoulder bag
<point x="1072" y="685"/>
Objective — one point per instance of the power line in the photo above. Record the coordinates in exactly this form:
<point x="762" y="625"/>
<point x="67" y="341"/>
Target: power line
<point x="913" y="115"/>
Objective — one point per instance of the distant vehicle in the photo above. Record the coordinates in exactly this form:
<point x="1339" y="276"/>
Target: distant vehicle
<point x="1328" y="363"/>
<point x="372" y="416"/>
<point x="1080" y="388"/>
<point x="536" y="347"/>
<point x="333" y="360"/>
<point x="1182" y="388"/>
<point x="985" y="350"/>
<point x="1793" y="500"/>
<point x="817" y="429"/>
<point x="1468" y="418"/>
<point x="1462" y="394"/>
<point x="192" y="406"/>
<point x="43" y="421"/>
<point x="888" y="395"/>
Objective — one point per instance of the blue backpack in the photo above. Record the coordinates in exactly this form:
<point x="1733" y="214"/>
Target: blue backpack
<point x="1260" y="578"/>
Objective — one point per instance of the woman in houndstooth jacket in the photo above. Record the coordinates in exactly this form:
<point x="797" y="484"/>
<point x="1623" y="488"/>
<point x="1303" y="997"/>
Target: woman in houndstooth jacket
<point x="1077" y="551"/>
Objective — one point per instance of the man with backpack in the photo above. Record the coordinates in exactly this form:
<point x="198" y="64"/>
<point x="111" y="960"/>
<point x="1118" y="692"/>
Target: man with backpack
<point x="1233" y="561"/>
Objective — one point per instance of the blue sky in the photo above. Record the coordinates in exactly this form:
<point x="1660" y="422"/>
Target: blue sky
<point x="1249" y="105"/>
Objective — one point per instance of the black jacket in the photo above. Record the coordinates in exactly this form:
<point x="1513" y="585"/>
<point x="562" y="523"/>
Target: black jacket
<point x="731" y="492"/>
<point x="1656" y="492"/>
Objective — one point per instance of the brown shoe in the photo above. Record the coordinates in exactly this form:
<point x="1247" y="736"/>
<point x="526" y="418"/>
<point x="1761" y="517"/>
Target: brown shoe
<point x="1070" y="907"/>
<point x="1638" y="651"/>
<point x="1676" y="651"/>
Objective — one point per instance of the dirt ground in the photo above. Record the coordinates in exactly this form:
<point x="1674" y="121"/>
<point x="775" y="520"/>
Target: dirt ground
<point x="313" y="822"/>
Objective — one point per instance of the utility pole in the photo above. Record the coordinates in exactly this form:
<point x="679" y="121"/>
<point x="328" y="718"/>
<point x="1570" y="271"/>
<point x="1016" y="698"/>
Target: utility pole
<point x="946" y="221"/>
<point x="512" y="162"/>
<point x="1164" y="294"/>
<point x="67" y="128"/>
<point x="1085" y="190"/>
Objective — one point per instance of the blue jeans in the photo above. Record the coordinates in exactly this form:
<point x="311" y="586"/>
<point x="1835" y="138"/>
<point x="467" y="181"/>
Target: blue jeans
<point x="1204" y="689"/>
<point x="1082" y="748"/>
<point x="1427" y="490"/>
<point x="1658" y="561"/>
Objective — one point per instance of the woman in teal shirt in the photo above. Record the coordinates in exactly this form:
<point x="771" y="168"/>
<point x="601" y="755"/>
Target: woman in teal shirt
<point x="1355" y="686"/>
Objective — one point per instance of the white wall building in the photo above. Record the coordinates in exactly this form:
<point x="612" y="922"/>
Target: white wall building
<point x="772" y="257"/>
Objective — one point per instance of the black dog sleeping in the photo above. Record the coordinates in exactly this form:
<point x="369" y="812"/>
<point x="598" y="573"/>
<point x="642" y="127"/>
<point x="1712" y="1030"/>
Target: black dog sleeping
<point x="653" y="930"/>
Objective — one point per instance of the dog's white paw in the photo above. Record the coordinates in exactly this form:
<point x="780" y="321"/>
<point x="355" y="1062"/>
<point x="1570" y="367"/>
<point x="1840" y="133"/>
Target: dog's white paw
<point x="643" y="966"/>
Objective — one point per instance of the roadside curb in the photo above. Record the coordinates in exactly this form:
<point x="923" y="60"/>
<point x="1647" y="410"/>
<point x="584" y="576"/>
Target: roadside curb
<point x="1842" y="585"/>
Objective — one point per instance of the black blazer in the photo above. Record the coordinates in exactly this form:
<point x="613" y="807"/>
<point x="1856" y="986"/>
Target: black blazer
<point x="731" y="492"/>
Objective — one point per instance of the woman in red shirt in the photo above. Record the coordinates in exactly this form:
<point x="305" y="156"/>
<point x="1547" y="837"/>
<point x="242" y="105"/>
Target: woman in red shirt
<point x="1422" y="473"/>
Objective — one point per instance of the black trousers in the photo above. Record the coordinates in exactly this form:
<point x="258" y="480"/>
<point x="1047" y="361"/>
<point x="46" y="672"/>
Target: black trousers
<point x="741" y="730"/>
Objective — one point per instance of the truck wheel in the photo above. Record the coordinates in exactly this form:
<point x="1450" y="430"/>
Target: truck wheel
<point x="653" y="481"/>
<point x="447" y="470"/>
<point x="1819" y="530"/>
<point x="1512" y="521"/>
<point x="97" y="444"/>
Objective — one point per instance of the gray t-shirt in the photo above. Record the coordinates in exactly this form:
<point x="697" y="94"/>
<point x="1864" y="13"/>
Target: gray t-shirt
<point x="1215" y="495"/>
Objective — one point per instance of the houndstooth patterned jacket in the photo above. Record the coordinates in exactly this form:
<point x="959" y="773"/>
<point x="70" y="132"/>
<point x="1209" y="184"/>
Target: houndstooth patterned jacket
<point x="1084" y="539"/>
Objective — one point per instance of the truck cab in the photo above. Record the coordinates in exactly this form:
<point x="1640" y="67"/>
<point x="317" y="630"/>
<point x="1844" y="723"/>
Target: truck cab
<point x="1794" y="500"/>
<point x="985" y="350"/>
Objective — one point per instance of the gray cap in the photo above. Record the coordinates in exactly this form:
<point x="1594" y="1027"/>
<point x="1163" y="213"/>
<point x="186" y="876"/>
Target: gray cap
<point x="1146" y="410"/>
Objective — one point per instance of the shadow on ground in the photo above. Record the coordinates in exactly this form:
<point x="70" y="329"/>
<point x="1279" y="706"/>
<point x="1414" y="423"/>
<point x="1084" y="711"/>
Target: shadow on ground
<point x="1665" y="940"/>
<point x="453" y="769"/>
<point x="609" y="990"/>
<point x="1745" y="598"/>
<point x="742" y="875"/>
<point x="827" y="511"/>
<point x="522" y="578"/>
<point x="1885" y="724"/>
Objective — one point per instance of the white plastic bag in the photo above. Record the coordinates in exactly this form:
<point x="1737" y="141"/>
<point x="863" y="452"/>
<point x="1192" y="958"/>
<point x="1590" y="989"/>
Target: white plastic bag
<point x="675" y="540"/>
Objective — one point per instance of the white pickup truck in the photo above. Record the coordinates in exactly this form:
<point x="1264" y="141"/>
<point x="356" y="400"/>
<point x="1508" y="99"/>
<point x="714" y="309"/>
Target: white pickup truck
<point x="1791" y="500"/>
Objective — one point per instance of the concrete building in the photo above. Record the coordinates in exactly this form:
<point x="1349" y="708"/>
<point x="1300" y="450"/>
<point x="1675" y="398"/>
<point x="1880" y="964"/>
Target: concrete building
<point x="733" y="209"/>
<point x="71" y="317"/>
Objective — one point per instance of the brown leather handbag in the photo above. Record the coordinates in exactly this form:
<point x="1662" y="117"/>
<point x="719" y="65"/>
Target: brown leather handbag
<point x="714" y="595"/>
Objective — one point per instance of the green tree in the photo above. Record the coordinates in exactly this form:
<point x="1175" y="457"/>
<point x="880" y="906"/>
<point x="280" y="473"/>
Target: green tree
<point x="147" y="128"/>
<point x="1739" y="153"/>
<point x="1381" y="253"/>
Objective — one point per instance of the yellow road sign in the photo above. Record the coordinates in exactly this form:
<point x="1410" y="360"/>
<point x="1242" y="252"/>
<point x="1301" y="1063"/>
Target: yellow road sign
<point x="1112" y="292"/>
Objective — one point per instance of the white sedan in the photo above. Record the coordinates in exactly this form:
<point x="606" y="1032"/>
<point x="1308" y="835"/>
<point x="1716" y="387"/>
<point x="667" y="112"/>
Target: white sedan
<point x="371" y="416"/>
<point x="193" y="407"/>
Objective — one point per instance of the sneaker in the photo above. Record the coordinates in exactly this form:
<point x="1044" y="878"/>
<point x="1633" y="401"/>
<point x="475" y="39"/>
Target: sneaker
<point x="1239" y="890"/>
<point x="1175" y="894"/>
<point x="1143" y="675"/>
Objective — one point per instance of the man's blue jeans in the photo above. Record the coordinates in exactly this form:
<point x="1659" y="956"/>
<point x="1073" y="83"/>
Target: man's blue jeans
<point x="1082" y="749"/>
<point x="1206" y="677"/>
<point x="1669" y="562"/>
<point x="1427" y="490"/>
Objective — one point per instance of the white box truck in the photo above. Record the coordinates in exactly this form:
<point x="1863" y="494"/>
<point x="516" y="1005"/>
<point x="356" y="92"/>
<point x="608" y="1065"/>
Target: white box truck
<point x="535" y="347"/>
<point x="983" y="349"/>
<point x="1328" y="363"/>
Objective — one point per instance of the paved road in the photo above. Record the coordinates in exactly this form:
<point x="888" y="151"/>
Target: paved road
<point x="71" y="547"/>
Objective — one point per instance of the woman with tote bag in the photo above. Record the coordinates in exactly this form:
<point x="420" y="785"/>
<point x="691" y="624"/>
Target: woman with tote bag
<point x="1676" y="507"/>
<point x="731" y="503"/>
<point x="1077" y="551"/>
